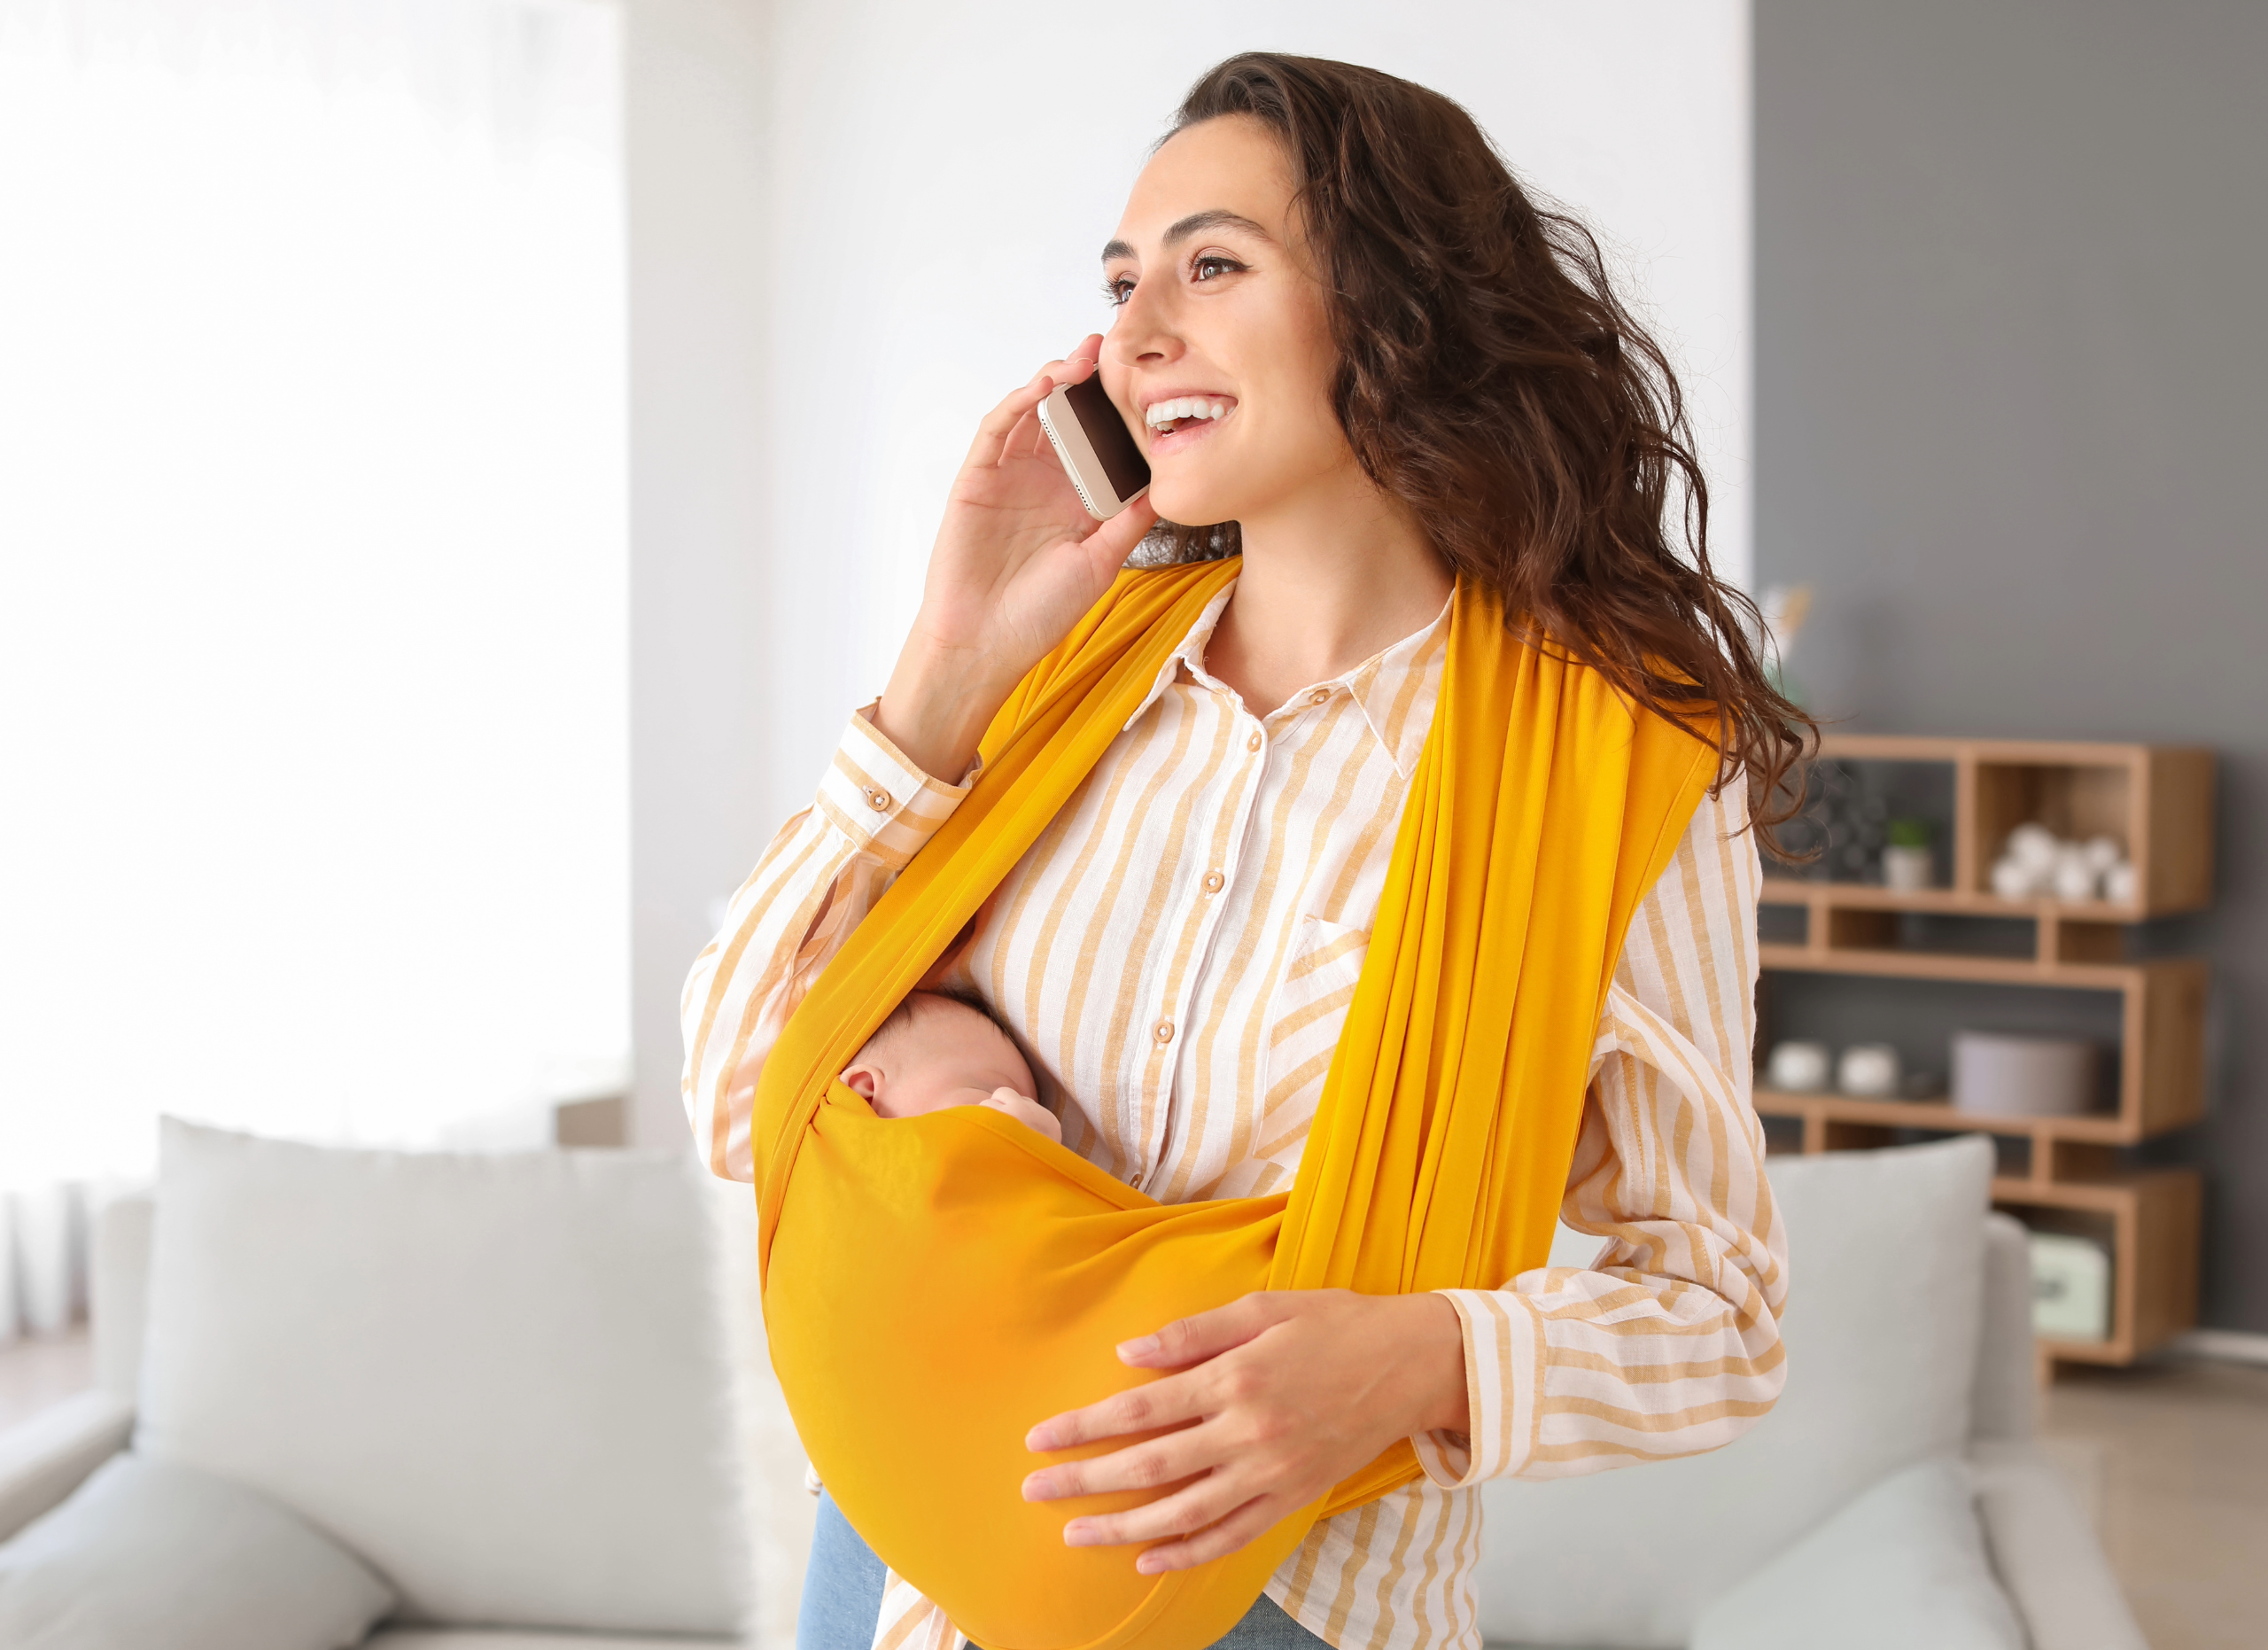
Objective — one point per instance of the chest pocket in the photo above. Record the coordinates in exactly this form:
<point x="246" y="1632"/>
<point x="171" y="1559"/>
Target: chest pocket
<point x="1304" y="1017"/>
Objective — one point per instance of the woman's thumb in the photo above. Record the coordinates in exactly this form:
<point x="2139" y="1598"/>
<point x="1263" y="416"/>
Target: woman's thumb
<point x="1118" y="537"/>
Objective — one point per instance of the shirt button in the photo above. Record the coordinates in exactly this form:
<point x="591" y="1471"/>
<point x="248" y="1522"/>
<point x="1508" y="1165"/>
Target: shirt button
<point x="1213" y="881"/>
<point x="1253" y="744"/>
<point x="878" y="799"/>
<point x="1163" y="1032"/>
<point x="1319" y="695"/>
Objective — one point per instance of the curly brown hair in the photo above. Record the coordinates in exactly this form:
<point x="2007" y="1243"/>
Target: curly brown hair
<point x="1489" y="377"/>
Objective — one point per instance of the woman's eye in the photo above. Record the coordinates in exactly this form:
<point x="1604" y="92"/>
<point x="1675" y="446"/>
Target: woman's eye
<point x="1204" y="269"/>
<point x="1117" y="291"/>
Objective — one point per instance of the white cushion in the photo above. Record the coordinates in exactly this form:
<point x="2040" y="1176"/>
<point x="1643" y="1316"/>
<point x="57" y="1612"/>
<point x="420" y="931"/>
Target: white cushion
<point x="500" y="1379"/>
<point x="1885" y="1268"/>
<point x="149" y="1553"/>
<point x="1901" y="1567"/>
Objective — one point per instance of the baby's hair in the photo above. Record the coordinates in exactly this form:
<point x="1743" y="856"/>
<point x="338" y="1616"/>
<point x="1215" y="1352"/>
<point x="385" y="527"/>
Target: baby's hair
<point x="902" y="1016"/>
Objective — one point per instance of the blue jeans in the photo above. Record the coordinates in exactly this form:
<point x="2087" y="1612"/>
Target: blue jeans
<point x="843" y="1599"/>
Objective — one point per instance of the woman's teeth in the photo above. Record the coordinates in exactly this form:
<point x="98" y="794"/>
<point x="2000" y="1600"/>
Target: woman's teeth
<point x="1162" y="415"/>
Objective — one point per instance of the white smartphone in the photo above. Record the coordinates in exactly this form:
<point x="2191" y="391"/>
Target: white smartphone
<point x="1098" y="452"/>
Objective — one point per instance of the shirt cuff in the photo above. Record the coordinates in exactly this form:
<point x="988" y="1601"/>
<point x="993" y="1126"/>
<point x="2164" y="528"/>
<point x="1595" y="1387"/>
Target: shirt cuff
<point x="1503" y="1379"/>
<point x="878" y="798"/>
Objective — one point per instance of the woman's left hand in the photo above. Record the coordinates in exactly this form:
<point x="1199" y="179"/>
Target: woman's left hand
<point x="1280" y="1396"/>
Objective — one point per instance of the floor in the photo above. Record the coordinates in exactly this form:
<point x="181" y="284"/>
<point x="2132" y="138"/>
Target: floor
<point x="2172" y="1460"/>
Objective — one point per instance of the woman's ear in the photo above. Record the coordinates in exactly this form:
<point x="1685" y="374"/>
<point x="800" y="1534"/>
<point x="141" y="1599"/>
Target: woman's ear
<point x="863" y="1081"/>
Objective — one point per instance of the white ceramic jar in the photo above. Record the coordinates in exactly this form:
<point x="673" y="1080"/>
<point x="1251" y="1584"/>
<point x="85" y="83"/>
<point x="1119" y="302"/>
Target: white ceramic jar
<point x="1870" y="1070"/>
<point x="1798" y="1068"/>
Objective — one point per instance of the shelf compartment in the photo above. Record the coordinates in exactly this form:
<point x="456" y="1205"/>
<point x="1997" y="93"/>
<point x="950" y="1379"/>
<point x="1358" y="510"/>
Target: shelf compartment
<point x="1854" y="917"/>
<point x="2154" y="1221"/>
<point x="2155" y="800"/>
<point x="2160" y="1036"/>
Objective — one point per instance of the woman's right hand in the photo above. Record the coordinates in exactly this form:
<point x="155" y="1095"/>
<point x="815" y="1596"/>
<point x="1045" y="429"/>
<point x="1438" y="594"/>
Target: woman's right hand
<point x="1017" y="561"/>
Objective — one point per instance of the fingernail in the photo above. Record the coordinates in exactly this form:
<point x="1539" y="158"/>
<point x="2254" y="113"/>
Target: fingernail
<point x="1035" y="1488"/>
<point x="1142" y="1346"/>
<point x="1149" y="1564"/>
<point x="1077" y="1534"/>
<point x="1039" y="1439"/>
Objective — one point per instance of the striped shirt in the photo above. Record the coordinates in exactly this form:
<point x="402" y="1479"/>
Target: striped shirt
<point x="1176" y="956"/>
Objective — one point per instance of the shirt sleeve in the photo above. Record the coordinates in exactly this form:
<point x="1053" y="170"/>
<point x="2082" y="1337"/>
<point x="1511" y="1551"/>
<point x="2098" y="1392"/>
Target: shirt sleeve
<point x="1668" y="1344"/>
<point x="821" y="875"/>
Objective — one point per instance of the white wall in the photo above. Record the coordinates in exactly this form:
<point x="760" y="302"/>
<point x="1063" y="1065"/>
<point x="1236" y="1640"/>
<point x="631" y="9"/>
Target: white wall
<point x="311" y="562"/>
<point x="695" y="97"/>
<point x="924" y="252"/>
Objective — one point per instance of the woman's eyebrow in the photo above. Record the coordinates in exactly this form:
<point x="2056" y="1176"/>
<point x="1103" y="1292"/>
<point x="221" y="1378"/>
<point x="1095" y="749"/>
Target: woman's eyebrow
<point x="1195" y="224"/>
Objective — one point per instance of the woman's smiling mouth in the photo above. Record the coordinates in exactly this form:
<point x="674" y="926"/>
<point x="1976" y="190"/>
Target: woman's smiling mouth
<point x="1173" y="421"/>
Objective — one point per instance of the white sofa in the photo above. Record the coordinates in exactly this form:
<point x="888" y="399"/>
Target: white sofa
<point x="1844" y="1520"/>
<point x="483" y="1399"/>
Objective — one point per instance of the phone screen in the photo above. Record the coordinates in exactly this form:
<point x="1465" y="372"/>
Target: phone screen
<point x="1107" y="434"/>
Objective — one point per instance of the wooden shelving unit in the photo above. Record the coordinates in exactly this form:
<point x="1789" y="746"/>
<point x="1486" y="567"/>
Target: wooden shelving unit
<point x="2058" y="1172"/>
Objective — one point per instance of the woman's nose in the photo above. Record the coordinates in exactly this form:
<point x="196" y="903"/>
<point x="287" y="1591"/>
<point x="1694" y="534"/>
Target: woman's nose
<point x="1142" y="332"/>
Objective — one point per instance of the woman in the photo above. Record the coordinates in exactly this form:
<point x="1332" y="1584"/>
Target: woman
<point x="1346" y="336"/>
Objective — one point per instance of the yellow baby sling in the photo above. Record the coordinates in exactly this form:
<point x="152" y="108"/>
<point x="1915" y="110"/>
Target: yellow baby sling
<point x="935" y="1286"/>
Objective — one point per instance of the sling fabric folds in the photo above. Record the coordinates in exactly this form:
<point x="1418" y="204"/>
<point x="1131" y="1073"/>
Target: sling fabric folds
<point x="1543" y="808"/>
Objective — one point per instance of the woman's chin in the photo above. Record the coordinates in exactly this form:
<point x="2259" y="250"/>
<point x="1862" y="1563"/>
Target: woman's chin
<point x="1189" y="504"/>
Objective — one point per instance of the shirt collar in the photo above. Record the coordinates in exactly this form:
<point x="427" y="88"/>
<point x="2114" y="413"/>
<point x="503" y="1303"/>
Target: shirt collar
<point x="1395" y="689"/>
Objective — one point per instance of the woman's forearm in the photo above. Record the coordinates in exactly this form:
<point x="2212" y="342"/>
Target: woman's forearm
<point x="1434" y="1334"/>
<point x="937" y="705"/>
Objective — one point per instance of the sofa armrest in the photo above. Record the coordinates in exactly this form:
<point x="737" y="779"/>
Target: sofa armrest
<point x="2047" y="1558"/>
<point x="43" y="1459"/>
<point x="2005" y="1395"/>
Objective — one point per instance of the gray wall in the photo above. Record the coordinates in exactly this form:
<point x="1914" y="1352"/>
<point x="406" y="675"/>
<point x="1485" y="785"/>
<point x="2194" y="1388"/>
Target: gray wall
<point x="2012" y="399"/>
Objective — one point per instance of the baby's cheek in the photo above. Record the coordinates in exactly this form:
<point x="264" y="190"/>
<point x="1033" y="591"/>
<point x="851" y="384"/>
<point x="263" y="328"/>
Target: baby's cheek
<point x="1024" y="1111"/>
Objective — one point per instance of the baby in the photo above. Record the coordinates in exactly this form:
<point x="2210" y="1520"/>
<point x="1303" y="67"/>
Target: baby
<point x="936" y="1051"/>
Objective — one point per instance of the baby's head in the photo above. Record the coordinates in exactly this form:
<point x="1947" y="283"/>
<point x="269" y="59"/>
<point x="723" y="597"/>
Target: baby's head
<point x="936" y="1051"/>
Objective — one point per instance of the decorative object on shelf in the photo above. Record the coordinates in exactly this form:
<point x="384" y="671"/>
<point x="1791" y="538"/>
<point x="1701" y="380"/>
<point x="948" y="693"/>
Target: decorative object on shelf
<point x="2000" y="1075"/>
<point x="1784" y="610"/>
<point x="1868" y="1069"/>
<point x="2070" y="1288"/>
<point x="1837" y="835"/>
<point x="2036" y="861"/>
<point x="1907" y="864"/>
<point x="1799" y="1068"/>
<point x="1930" y="1085"/>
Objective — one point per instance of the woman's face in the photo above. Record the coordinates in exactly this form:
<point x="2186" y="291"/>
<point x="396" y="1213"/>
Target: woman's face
<point x="1221" y="320"/>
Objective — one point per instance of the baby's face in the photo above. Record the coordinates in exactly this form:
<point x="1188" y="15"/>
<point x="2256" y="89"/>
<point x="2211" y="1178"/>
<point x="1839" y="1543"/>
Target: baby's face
<point x="947" y="1053"/>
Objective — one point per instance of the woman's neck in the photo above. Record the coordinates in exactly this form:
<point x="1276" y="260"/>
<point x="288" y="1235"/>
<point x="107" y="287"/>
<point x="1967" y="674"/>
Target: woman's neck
<point x="1343" y="573"/>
